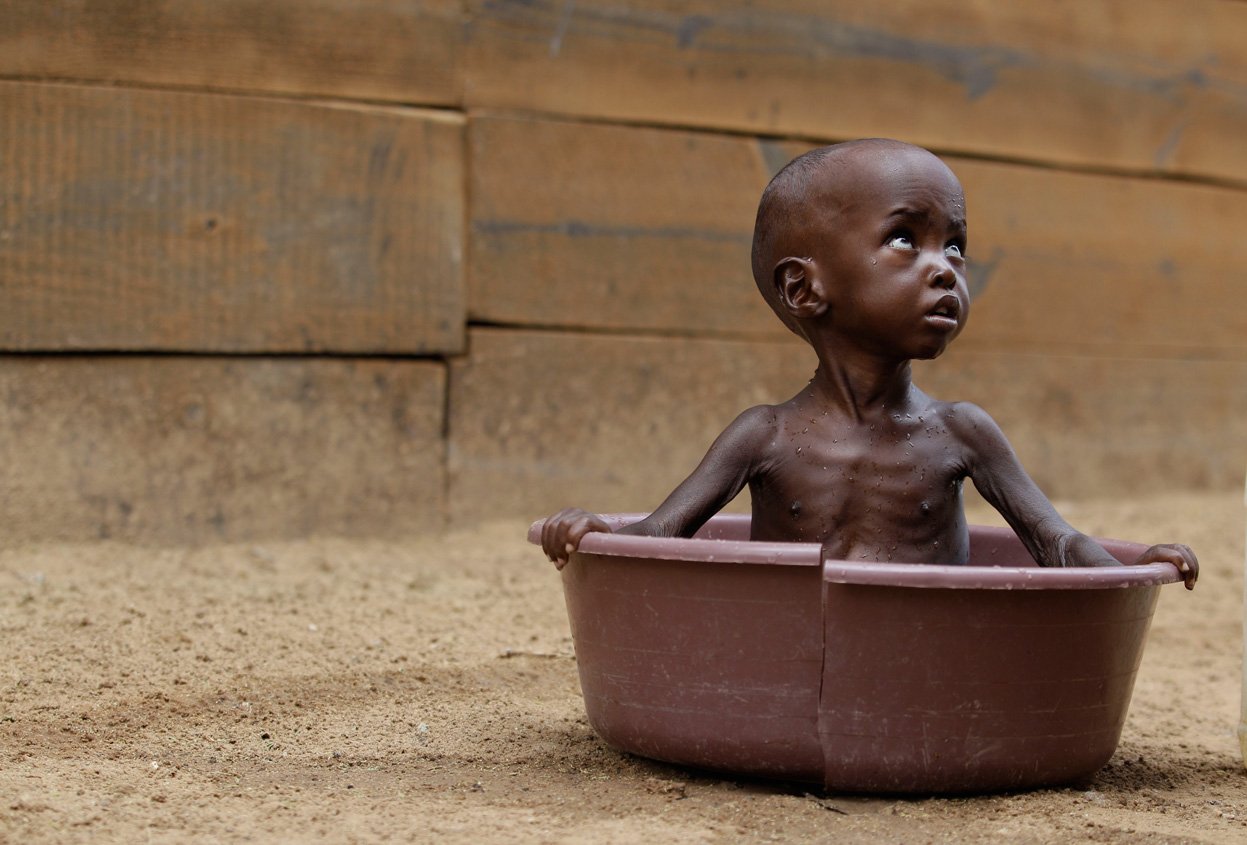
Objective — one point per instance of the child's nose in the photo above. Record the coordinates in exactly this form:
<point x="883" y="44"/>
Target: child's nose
<point x="942" y="273"/>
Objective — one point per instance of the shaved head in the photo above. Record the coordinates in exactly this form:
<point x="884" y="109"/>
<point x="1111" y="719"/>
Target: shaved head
<point x="808" y="190"/>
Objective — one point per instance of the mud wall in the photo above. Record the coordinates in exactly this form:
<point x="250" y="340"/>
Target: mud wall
<point x="270" y="267"/>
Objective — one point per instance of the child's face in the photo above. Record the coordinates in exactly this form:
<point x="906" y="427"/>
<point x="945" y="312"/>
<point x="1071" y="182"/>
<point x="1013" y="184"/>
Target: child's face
<point x="893" y="254"/>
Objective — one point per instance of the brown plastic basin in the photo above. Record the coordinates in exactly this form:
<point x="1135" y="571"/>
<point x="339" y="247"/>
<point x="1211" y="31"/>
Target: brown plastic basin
<point x="759" y="659"/>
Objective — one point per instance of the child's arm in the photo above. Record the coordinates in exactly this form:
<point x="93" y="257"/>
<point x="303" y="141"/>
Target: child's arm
<point x="722" y="473"/>
<point x="1051" y="541"/>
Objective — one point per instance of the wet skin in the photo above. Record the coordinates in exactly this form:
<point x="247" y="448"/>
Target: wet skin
<point x="870" y="268"/>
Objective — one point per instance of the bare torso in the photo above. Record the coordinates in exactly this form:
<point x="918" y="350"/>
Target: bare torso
<point x="883" y="490"/>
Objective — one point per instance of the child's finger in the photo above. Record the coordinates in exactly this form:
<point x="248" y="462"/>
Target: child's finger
<point x="1182" y="557"/>
<point x="553" y="532"/>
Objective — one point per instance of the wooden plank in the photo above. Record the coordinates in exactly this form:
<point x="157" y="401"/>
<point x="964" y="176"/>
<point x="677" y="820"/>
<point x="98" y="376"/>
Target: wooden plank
<point x="1117" y="83"/>
<point x="195" y="449"/>
<point x="1104" y="265"/>
<point x="614" y="227"/>
<point x="1099" y="426"/>
<point x="360" y="49"/>
<point x="137" y="220"/>
<point x="629" y="228"/>
<point x="543" y="420"/>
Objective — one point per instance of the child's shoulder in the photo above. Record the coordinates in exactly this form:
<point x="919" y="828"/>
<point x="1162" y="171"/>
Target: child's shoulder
<point x="967" y="422"/>
<point x="957" y="413"/>
<point x="755" y="431"/>
<point x="759" y="421"/>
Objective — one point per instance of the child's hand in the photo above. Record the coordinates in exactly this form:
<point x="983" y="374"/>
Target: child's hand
<point x="1179" y="555"/>
<point x="562" y="533"/>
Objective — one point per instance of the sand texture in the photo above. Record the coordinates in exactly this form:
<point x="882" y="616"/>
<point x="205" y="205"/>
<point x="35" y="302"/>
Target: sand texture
<point x="334" y="691"/>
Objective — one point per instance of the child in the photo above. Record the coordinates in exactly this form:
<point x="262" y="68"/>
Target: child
<point x="860" y="249"/>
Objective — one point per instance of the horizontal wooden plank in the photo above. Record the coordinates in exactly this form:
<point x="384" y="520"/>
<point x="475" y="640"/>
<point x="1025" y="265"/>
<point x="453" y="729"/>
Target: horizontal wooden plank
<point x="361" y="49"/>
<point x="1117" y="83"/>
<point x="139" y="220"/>
<point x="614" y="227"/>
<point x="194" y="449"/>
<point x="544" y="420"/>
<point x="647" y="229"/>
<point x="1104" y="265"/>
<point x="1099" y="426"/>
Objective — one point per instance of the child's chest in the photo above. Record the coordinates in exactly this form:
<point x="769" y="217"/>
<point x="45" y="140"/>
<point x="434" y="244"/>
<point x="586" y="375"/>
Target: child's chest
<point x="824" y="478"/>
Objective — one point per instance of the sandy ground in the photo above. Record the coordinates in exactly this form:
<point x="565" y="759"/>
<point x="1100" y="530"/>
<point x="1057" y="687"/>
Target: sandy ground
<point x="334" y="691"/>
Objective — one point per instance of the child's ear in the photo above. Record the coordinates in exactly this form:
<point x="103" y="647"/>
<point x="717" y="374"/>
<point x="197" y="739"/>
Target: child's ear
<point x="800" y="287"/>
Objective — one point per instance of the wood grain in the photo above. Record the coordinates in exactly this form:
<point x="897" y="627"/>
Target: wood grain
<point x="541" y="420"/>
<point x="394" y="50"/>
<point x="1104" y="265"/>
<point x="614" y="227"/>
<point x="142" y="220"/>
<point x="1133" y="84"/>
<point x="641" y="229"/>
<point x="545" y="420"/>
<point x="195" y="449"/>
<point x="1102" y="426"/>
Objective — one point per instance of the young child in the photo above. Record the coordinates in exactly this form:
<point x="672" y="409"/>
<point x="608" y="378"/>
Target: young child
<point x="860" y="249"/>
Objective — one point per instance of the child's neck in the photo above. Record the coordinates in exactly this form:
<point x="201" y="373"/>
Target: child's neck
<point x="860" y="386"/>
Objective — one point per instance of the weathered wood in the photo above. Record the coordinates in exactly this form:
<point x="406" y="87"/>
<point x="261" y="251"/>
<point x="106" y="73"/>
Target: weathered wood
<point x="1118" y="83"/>
<point x="195" y="449"/>
<point x="1104" y="265"/>
<point x="541" y="420"/>
<point x="394" y="50"/>
<point x="647" y="229"/>
<point x="544" y="420"/>
<point x="615" y="227"/>
<point x="135" y="220"/>
<point x="1101" y="426"/>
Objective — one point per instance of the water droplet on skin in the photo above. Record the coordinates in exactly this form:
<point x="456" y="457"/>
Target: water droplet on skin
<point x="798" y="450"/>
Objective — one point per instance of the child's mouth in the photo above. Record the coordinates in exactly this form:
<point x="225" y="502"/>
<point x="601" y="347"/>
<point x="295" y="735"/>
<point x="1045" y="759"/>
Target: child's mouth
<point x="946" y="313"/>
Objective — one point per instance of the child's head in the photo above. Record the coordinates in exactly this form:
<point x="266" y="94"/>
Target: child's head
<point x="860" y="228"/>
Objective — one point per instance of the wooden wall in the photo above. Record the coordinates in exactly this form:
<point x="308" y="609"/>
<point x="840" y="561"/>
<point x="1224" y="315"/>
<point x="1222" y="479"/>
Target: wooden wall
<point x="270" y="268"/>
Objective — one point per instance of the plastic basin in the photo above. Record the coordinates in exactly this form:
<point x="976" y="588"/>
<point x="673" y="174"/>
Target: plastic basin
<point x="760" y="659"/>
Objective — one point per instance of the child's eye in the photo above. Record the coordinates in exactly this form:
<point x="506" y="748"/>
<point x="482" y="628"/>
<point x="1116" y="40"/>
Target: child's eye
<point x="953" y="251"/>
<point x="901" y="242"/>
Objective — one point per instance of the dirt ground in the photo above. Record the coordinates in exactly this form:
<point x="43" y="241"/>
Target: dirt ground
<point x="342" y="691"/>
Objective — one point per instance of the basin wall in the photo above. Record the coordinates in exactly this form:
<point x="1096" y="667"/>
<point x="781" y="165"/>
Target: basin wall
<point x="760" y="659"/>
